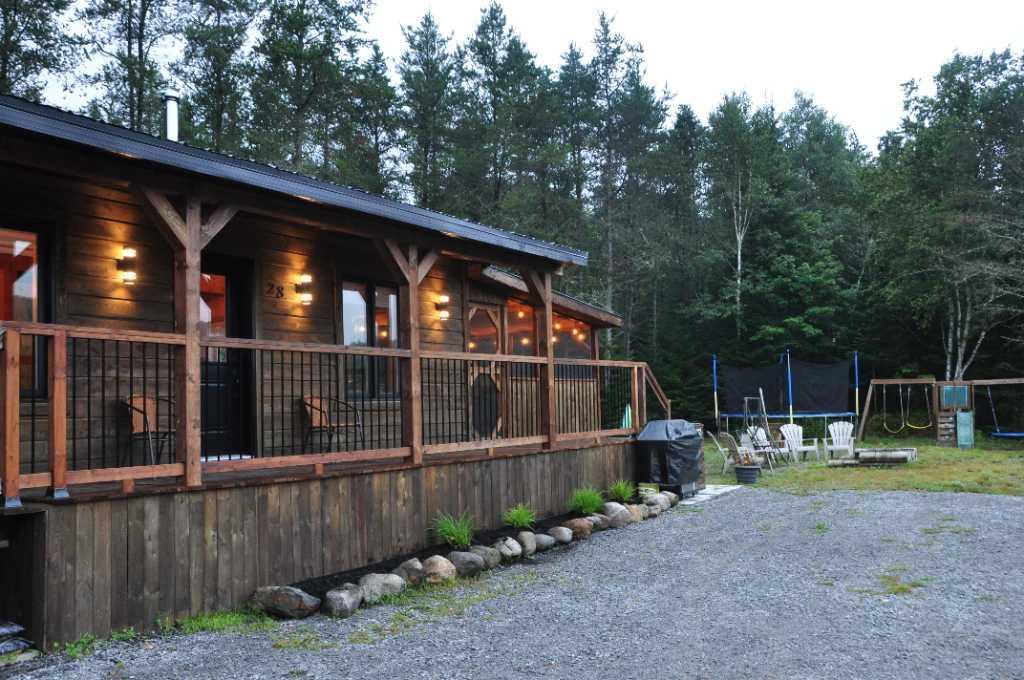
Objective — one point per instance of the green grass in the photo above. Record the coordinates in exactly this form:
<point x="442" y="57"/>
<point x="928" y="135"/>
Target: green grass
<point x="302" y="639"/>
<point x="519" y="516"/>
<point x="891" y="582"/>
<point x="9" y="657"/>
<point x="80" y="648"/>
<point x="233" y="621"/>
<point x="994" y="467"/>
<point x="124" y="635"/>
<point x="621" y="491"/>
<point x="455" y="531"/>
<point x="586" y="501"/>
<point x="822" y="528"/>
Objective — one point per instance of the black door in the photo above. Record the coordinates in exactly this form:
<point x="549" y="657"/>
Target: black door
<point x="226" y="374"/>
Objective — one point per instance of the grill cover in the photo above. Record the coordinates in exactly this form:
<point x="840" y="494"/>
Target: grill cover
<point x="669" y="453"/>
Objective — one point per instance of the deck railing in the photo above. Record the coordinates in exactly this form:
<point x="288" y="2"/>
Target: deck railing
<point x="88" y="405"/>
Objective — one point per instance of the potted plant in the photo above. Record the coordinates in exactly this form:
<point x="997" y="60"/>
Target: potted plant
<point x="747" y="469"/>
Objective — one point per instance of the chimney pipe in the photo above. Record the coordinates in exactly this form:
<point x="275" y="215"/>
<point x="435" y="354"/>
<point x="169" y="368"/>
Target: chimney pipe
<point x="171" y="100"/>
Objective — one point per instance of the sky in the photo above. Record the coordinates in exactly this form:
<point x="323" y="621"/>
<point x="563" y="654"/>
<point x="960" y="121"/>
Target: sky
<point x="852" y="57"/>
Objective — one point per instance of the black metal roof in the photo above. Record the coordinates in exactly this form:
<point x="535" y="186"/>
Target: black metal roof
<point x="53" y="122"/>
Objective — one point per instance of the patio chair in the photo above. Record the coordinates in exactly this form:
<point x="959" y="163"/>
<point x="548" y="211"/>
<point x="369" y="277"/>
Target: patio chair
<point x="331" y="416"/>
<point x="793" y="436"/>
<point x="144" y="425"/>
<point x="733" y="451"/>
<point x="840" y="440"/>
<point x="763" y="444"/>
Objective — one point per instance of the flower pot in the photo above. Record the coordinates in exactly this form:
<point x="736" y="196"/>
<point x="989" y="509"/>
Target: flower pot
<point x="747" y="474"/>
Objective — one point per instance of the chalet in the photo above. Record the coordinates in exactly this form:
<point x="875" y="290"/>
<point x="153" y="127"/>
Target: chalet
<point x="217" y="375"/>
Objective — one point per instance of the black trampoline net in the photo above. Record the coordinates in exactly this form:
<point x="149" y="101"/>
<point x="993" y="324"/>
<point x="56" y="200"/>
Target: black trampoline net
<point x="817" y="388"/>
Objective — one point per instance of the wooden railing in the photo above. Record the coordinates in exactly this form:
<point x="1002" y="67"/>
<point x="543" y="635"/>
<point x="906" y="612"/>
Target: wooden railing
<point x="87" y="405"/>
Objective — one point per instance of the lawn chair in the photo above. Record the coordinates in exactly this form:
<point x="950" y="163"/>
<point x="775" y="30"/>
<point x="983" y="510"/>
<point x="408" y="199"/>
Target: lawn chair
<point x="840" y="440"/>
<point x="763" y="444"/>
<point x="145" y="426"/>
<point x="744" y="446"/>
<point x="793" y="436"/>
<point x="332" y="416"/>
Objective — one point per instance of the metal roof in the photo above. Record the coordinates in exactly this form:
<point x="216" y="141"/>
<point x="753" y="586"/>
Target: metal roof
<point x="52" y="122"/>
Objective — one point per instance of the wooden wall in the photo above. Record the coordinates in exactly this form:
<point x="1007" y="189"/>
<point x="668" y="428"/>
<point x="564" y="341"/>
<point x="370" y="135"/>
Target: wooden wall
<point x="127" y="562"/>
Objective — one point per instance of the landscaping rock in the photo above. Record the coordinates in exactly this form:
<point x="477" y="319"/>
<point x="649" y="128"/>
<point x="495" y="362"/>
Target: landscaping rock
<point x="658" y="500"/>
<point x="599" y="522"/>
<point x="438" y="569"/>
<point x="492" y="557"/>
<point x="580" y="528"/>
<point x="636" y="513"/>
<point x="344" y="601"/>
<point x="376" y="586"/>
<point x="528" y="540"/>
<point x="411" y="571"/>
<point x="653" y="511"/>
<point x="618" y="515"/>
<point x="561" y="534"/>
<point x="673" y="498"/>
<point x="611" y="509"/>
<point x="509" y="548"/>
<point x="545" y="541"/>
<point x="285" y="601"/>
<point x="466" y="563"/>
<point x="645" y="511"/>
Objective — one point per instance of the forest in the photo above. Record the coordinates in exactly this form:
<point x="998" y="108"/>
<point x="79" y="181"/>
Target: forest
<point x="744" y="234"/>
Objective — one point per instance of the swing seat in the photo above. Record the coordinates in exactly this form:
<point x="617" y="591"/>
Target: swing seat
<point x="1007" y="435"/>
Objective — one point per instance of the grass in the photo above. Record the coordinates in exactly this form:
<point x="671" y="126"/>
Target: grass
<point x="303" y="639"/>
<point x="621" y="491"/>
<point x="124" y="635"/>
<point x="891" y="582"/>
<point x="821" y="528"/>
<point x="80" y="648"/>
<point x="455" y="531"/>
<point x="586" y="501"/>
<point x="994" y="467"/>
<point x="9" y="657"/>
<point x="233" y="621"/>
<point x="519" y="516"/>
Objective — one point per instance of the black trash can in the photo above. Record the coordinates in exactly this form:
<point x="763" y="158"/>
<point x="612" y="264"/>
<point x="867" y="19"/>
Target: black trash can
<point x="670" y="453"/>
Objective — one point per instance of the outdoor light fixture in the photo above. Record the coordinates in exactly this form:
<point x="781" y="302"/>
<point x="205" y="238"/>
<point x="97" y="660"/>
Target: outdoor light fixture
<point x="524" y="342"/>
<point x="304" y="289"/>
<point x="443" y="312"/>
<point x="126" y="265"/>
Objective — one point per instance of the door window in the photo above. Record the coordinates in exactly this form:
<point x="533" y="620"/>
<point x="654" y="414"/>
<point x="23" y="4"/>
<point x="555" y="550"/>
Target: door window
<point x="19" y="291"/>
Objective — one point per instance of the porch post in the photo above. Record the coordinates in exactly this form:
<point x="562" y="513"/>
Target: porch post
<point x="187" y="438"/>
<point x="58" y="437"/>
<point x="11" y="419"/>
<point x="539" y="285"/>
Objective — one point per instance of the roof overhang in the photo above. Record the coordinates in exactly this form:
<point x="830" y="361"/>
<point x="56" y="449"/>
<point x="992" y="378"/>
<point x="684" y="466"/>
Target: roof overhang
<point x="565" y="304"/>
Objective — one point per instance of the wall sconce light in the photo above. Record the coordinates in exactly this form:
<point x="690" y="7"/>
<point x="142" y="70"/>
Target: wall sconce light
<point x="304" y="289"/>
<point x="126" y="265"/>
<point x="524" y="342"/>
<point x="442" y="305"/>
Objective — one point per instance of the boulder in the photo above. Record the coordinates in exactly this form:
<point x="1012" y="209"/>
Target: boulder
<point x="611" y="509"/>
<point x="492" y="557"/>
<point x="561" y="534"/>
<point x="344" y="601"/>
<point x="635" y="513"/>
<point x="285" y="601"/>
<point x="411" y="571"/>
<point x="528" y="540"/>
<point x="544" y="542"/>
<point x="653" y="511"/>
<point x="579" y="527"/>
<point x="658" y="500"/>
<point x="377" y="586"/>
<point x="620" y="518"/>
<point x="438" y="569"/>
<point x="599" y="522"/>
<point x="466" y="563"/>
<point x="509" y="548"/>
<point x="673" y="498"/>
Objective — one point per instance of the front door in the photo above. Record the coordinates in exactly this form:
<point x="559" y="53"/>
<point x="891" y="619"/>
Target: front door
<point x="226" y="375"/>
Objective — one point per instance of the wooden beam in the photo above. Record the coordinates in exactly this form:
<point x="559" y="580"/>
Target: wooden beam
<point x="395" y="260"/>
<point x="866" y="414"/>
<point x="188" y="440"/>
<point x="540" y="291"/>
<point x="634" y="398"/>
<point x="426" y="264"/>
<point x="409" y="309"/>
<point x="11" y="434"/>
<point x="218" y="220"/>
<point x="167" y="215"/>
<point x="57" y="368"/>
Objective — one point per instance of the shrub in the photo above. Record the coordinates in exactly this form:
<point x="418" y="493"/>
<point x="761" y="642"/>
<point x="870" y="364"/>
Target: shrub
<point x="519" y="516"/>
<point x="455" y="531"/>
<point x="586" y="501"/>
<point x="622" y="491"/>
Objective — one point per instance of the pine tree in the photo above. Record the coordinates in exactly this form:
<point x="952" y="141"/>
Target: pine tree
<point x="34" y="43"/>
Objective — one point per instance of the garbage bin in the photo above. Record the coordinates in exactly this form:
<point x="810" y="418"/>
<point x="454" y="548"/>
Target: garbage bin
<point x="670" y="453"/>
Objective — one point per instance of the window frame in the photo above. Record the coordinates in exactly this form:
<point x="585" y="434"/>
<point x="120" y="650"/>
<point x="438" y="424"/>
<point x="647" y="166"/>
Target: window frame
<point x="497" y="317"/>
<point x="45" y="233"/>
<point x="371" y="285"/>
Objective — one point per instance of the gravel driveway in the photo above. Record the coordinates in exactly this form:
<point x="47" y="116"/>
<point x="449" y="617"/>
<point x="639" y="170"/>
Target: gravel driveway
<point x="754" y="584"/>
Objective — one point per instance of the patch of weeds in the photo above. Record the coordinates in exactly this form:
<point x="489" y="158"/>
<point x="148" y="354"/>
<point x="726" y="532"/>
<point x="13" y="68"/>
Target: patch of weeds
<point x="988" y="599"/>
<point x="303" y="639"/>
<point x="80" y="648"/>
<point x="891" y="582"/>
<point x="124" y="635"/>
<point x="954" y="529"/>
<point x="889" y="539"/>
<point x="817" y="505"/>
<point x="165" y="624"/>
<point x="361" y="637"/>
<point x="232" y="621"/>
<point x="692" y="508"/>
<point x="822" y="528"/>
<point x="827" y="582"/>
<point x="409" y="596"/>
<point x="9" y="657"/>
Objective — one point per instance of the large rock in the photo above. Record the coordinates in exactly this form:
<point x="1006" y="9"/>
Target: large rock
<point x="528" y="540"/>
<point x="492" y="557"/>
<point x="344" y="601"/>
<point x="673" y="498"/>
<point x="612" y="508"/>
<point x="466" y="563"/>
<point x="285" y="601"/>
<point x="411" y="571"/>
<point x="545" y="541"/>
<point x="636" y="513"/>
<point x="599" y="522"/>
<point x="618" y="515"/>
<point x="377" y="586"/>
<point x="438" y="569"/>
<point x="509" y="548"/>
<point x="653" y="511"/>
<point x="579" y="527"/>
<point x="561" y="534"/>
<point x="658" y="500"/>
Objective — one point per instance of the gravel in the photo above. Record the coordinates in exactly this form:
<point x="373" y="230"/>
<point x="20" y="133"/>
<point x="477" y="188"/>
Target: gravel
<point x="754" y="584"/>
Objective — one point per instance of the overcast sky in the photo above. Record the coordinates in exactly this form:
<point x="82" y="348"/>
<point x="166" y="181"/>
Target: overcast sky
<point x="851" y="56"/>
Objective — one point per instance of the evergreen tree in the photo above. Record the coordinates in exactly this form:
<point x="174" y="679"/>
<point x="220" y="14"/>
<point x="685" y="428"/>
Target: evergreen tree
<point x="34" y="43"/>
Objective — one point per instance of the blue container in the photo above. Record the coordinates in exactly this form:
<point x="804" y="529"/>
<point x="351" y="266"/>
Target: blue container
<point x="965" y="429"/>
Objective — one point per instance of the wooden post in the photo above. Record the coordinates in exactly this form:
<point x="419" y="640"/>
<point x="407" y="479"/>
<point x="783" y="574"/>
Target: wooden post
<point x="641" y="374"/>
<point x="866" y="413"/>
<point x="187" y="434"/>
<point x="11" y="419"/>
<point x="540" y="290"/>
<point x="58" y="430"/>
<point x="634" y="399"/>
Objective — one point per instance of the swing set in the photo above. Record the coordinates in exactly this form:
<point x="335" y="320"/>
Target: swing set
<point x="997" y="429"/>
<point x="905" y="388"/>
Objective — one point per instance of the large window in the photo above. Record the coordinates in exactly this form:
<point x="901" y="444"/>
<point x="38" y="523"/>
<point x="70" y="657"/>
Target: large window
<point x="19" y="295"/>
<point x="573" y="339"/>
<point x="484" y="331"/>
<point x="522" y="329"/>
<point x="369" y="318"/>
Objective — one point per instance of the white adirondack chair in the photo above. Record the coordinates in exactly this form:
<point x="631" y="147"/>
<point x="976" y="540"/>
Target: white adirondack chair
<point x="762" y="443"/>
<point x="793" y="435"/>
<point x="840" y="440"/>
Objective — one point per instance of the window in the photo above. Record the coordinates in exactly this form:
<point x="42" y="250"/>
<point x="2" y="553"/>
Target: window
<point x="484" y="337"/>
<point x="19" y="294"/>
<point x="213" y="316"/>
<point x="522" y="329"/>
<point x="369" y="318"/>
<point x="572" y="338"/>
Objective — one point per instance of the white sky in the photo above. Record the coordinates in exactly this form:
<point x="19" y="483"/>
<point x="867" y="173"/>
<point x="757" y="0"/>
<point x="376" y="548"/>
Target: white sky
<point x="852" y="57"/>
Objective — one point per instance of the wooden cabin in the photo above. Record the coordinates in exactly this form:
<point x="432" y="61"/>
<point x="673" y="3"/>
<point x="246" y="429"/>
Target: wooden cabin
<point x="218" y="375"/>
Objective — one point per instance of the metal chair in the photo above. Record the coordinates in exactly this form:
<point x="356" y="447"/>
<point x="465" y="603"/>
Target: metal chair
<point x="145" y="425"/>
<point x="330" y="415"/>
